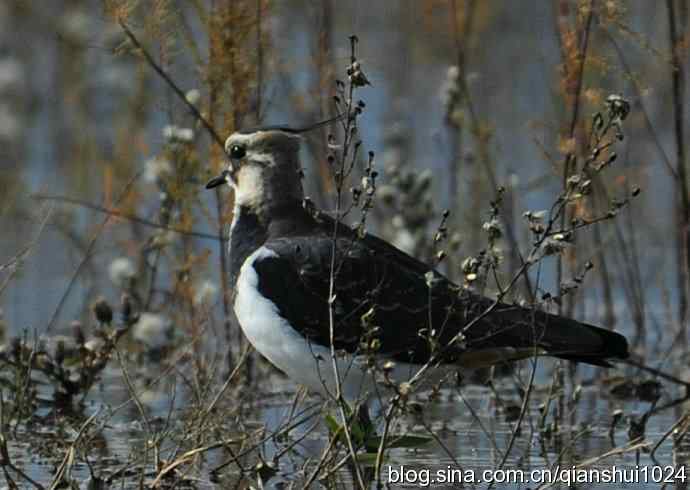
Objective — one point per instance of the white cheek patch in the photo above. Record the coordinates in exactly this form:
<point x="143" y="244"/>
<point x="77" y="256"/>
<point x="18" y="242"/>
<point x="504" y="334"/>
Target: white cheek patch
<point x="249" y="189"/>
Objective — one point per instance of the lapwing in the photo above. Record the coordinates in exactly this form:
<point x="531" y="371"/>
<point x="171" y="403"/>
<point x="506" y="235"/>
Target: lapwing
<point x="283" y="254"/>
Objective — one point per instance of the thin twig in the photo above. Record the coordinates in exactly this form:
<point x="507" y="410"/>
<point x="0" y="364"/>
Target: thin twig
<point x="349" y="123"/>
<point x="24" y="253"/>
<point x="151" y="437"/>
<point x="656" y="372"/>
<point x="89" y="249"/>
<point x="639" y="102"/>
<point x="523" y="411"/>
<point x="186" y="457"/>
<point x="682" y="420"/>
<point x="676" y="34"/>
<point x="126" y="216"/>
<point x="225" y="386"/>
<point x="178" y="91"/>
<point x="569" y="160"/>
<point x="68" y="460"/>
<point x="635" y="445"/>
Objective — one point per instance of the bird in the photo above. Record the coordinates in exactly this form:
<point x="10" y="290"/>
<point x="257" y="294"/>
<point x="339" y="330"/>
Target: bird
<point x="349" y="314"/>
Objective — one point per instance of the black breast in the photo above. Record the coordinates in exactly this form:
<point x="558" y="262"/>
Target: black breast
<point x="248" y="234"/>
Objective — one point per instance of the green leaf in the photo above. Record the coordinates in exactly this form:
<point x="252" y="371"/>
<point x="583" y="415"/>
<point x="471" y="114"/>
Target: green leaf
<point x="367" y="459"/>
<point x="333" y="425"/>
<point x="401" y="441"/>
<point x="358" y="433"/>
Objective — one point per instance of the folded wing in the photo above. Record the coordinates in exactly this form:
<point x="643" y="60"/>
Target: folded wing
<point x="382" y="293"/>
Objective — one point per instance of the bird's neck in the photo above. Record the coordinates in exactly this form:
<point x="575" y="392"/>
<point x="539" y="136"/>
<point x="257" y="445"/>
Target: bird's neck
<point x="252" y="226"/>
<point x="247" y="234"/>
<point x="268" y="202"/>
<point x="265" y="191"/>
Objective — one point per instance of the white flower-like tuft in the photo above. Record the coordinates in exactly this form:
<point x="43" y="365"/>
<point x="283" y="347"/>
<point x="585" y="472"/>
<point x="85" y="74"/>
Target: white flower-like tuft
<point x="11" y="75"/>
<point x="152" y="330"/>
<point x="174" y="133"/>
<point x="206" y="293"/>
<point x="121" y="271"/>
<point x="193" y="96"/>
<point x="450" y="88"/>
<point x="156" y="168"/>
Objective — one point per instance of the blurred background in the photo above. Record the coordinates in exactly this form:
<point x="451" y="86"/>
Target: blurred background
<point x="103" y="167"/>
<point x="483" y="108"/>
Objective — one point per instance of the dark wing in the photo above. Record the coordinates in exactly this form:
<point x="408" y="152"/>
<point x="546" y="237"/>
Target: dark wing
<point x="382" y="293"/>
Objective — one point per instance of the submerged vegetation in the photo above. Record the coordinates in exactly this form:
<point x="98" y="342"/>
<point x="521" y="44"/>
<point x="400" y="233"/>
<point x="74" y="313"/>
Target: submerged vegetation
<point x="122" y="364"/>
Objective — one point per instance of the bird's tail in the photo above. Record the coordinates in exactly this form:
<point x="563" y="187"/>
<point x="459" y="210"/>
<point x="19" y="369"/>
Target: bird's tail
<point x="528" y="333"/>
<point x="575" y="341"/>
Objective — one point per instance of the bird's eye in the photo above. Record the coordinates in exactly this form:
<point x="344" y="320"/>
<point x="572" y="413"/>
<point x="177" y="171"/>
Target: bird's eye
<point x="237" y="152"/>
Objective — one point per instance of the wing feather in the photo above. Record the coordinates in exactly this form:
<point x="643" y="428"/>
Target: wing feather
<point x="382" y="293"/>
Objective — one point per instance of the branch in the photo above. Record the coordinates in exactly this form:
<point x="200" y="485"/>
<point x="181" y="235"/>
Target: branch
<point x="87" y="254"/>
<point x="129" y="217"/>
<point x="178" y="91"/>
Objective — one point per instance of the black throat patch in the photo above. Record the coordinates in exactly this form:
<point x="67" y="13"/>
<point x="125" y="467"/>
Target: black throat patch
<point x="248" y="234"/>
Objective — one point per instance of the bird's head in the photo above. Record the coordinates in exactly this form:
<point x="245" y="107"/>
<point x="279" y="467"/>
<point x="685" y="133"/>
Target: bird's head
<point x="263" y="168"/>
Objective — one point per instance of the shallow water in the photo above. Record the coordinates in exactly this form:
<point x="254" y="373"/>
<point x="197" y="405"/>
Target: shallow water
<point x="466" y="442"/>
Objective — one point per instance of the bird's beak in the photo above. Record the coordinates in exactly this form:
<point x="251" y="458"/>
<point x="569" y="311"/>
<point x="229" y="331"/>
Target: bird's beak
<point x="220" y="180"/>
